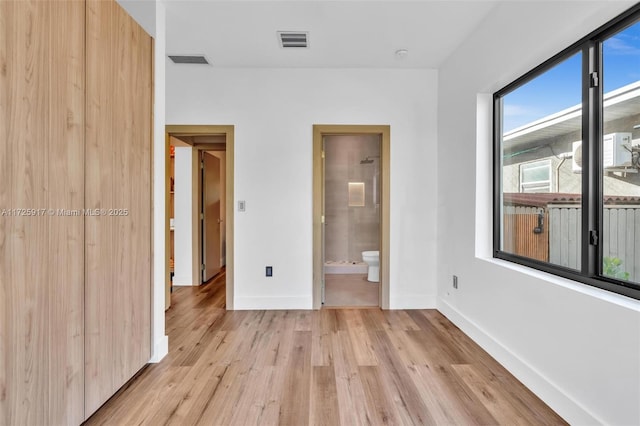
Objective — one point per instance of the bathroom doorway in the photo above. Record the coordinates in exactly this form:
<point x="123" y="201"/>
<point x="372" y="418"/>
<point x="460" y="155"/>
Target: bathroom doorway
<point x="351" y="192"/>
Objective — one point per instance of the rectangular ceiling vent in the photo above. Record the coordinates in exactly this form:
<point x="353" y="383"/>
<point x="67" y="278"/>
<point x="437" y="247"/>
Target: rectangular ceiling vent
<point x="293" y="38"/>
<point x="189" y="59"/>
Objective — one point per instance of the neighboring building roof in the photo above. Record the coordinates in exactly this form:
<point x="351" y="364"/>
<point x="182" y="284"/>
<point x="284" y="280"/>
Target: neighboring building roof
<point x="538" y="199"/>
<point x="545" y="198"/>
<point x="623" y="102"/>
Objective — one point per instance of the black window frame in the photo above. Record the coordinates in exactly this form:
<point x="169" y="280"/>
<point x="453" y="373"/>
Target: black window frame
<point x="590" y="272"/>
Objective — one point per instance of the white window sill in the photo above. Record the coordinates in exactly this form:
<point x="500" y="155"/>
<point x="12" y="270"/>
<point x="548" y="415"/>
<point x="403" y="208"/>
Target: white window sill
<point x="604" y="295"/>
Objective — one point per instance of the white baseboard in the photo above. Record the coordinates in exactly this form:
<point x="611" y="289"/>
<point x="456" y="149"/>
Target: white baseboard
<point x="182" y="281"/>
<point x="569" y="409"/>
<point x="413" y="301"/>
<point x="160" y="350"/>
<point x="272" y="303"/>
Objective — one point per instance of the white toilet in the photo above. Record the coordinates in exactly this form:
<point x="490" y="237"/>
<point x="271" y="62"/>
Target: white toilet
<point x="372" y="258"/>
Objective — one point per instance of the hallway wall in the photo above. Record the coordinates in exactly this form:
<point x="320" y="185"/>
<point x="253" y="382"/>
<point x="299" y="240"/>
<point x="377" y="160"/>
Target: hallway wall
<point x="273" y="111"/>
<point x="186" y="244"/>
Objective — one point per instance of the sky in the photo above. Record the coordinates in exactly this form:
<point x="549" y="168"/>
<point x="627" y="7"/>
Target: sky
<point x="560" y="87"/>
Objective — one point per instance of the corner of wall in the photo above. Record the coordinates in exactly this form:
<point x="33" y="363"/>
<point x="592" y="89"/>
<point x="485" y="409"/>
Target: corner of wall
<point x="160" y="349"/>
<point x="542" y="386"/>
<point x="159" y="341"/>
<point x="484" y="181"/>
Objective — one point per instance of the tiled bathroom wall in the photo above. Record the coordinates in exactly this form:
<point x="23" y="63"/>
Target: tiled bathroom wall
<point x="351" y="227"/>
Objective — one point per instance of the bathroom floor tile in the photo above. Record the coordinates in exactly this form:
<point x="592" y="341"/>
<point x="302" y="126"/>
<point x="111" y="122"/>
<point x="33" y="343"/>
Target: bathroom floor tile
<point x="350" y="290"/>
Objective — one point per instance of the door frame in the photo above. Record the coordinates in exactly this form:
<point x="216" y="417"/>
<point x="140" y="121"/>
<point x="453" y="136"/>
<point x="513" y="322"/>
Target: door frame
<point x="198" y="130"/>
<point x="319" y="131"/>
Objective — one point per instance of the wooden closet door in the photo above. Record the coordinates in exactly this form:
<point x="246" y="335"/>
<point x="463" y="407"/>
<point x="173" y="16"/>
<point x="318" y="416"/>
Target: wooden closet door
<point x="118" y="186"/>
<point x="41" y="251"/>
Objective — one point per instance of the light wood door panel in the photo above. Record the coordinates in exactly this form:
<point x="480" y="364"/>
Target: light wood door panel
<point x="65" y="150"/>
<point x="5" y="223"/>
<point x="118" y="179"/>
<point x="25" y="261"/>
<point x="211" y="222"/>
<point x="99" y="253"/>
<point x="41" y="256"/>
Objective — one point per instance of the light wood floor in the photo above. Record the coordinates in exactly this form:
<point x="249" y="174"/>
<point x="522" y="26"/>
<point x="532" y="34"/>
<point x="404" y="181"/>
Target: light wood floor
<point x="349" y="290"/>
<point x="330" y="367"/>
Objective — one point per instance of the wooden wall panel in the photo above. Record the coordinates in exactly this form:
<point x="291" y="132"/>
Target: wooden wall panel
<point x="65" y="150"/>
<point x="5" y="196"/>
<point x="26" y="291"/>
<point x="41" y="146"/>
<point x="99" y="254"/>
<point x="118" y="176"/>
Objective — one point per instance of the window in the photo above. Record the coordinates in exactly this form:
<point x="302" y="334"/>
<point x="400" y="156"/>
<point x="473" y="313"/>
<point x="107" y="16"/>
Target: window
<point x="567" y="162"/>
<point x="536" y="176"/>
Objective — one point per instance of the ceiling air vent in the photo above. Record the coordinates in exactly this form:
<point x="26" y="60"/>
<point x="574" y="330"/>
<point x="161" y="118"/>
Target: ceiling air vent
<point x="293" y="38"/>
<point x="189" y="59"/>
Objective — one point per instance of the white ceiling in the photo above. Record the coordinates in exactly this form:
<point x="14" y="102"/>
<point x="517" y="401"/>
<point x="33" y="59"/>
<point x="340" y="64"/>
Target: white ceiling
<point x="343" y="34"/>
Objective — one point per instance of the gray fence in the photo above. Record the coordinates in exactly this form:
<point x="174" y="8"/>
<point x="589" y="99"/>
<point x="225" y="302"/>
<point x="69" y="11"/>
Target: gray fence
<point x="620" y="239"/>
<point x="564" y="236"/>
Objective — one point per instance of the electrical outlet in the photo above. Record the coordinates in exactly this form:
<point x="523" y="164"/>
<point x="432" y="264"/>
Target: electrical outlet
<point x="455" y="281"/>
<point x="269" y="271"/>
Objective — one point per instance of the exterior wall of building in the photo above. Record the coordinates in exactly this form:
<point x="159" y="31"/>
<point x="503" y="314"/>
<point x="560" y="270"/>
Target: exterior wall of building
<point x="563" y="178"/>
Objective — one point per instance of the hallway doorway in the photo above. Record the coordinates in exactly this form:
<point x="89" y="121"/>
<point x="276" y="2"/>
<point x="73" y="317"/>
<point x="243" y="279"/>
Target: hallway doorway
<point x="351" y="216"/>
<point x="208" y="153"/>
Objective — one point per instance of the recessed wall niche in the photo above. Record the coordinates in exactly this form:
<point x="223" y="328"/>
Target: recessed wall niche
<point x="356" y="194"/>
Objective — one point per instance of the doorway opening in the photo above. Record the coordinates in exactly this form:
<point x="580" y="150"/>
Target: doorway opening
<point x="351" y="216"/>
<point x="200" y="208"/>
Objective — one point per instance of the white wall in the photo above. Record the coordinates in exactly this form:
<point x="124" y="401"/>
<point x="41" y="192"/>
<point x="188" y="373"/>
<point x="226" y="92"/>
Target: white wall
<point x="185" y="235"/>
<point x="273" y="111"/>
<point x="575" y="346"/>
<point x="159" y="341"/>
